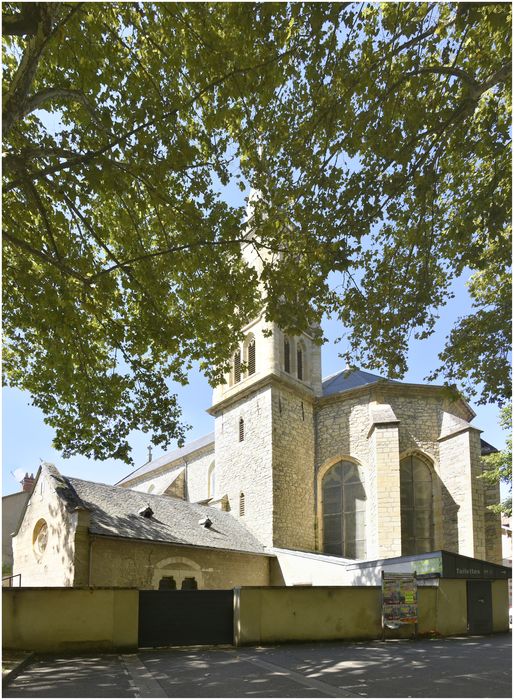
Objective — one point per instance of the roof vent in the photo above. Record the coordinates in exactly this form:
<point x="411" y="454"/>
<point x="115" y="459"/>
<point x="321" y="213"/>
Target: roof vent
<point x="146" y="512"/>
<point x="206" y="522"/>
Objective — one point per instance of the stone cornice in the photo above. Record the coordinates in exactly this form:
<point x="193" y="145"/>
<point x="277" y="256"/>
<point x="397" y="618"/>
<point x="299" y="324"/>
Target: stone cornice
<point x="458" y="432"/>
<point x="275" y="380"/>
<point x="392" y="388"/>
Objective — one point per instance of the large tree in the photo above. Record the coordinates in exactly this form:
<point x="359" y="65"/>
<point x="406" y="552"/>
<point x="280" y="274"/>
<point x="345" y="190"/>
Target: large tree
<point x="377" y="136"/>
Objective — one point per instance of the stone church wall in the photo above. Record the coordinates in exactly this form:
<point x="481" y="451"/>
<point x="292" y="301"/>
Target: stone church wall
<point x="293" y="470"/>
<point x="197" y="478"/>
<point x="244" y="467"/>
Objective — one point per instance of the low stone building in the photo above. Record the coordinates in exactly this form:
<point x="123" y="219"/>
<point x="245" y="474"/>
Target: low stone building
<point x="80" y="533"/>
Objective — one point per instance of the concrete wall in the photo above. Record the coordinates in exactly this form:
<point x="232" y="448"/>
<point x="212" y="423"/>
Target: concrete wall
<point x="69" y="619"/>
<point x="269" y="615"/>
<point x="500" y="595"/>
<point x="304" y="613"/>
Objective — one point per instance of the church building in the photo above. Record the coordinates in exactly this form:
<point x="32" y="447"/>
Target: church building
<point x="354" y="465"/>
<point x="301" y="478"/>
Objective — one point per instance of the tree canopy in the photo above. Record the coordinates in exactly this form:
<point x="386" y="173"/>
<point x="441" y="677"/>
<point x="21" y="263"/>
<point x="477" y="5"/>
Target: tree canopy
<point x="376" y="134"/>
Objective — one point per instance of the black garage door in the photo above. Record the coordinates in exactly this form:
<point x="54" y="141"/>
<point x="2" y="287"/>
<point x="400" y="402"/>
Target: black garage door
<point x="185" y="617"/>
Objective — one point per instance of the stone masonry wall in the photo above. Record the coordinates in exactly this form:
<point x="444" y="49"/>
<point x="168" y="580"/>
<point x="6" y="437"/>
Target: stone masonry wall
<point x="293" y="470"/>
<point x="477" y="495"/>
<point x="245" y="467"/>
<point x="342" y="427"/>
<point x="197" y="470"/>
<point x="126" y="563"/>
<point x="387" y="469"/>
<point x="492" y="523"/>
<point x="457" y="505"/>
<point x="55" y="565"/>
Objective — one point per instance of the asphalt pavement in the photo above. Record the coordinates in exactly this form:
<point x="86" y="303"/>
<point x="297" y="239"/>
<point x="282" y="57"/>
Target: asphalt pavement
<point x="457" y="667"/>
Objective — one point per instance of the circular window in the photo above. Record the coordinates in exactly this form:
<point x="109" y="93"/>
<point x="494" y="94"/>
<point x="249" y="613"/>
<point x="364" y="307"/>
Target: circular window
<point x="40" y="536"/>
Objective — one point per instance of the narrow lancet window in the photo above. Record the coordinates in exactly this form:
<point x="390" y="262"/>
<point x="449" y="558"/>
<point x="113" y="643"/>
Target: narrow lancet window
<point x="241" y="430"/>
<point x="299" y="363"/>
<point x="237" y="367"/>
<point x="251" y="357"/>
<point x="287" y="356"/>
<point x="241" y="504"/>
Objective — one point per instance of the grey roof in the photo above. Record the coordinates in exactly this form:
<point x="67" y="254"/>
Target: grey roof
<point x="349" y="379"/>
<point x="169" y="457"/>
<point x="115" y="512"/>
<point x="486" y="448"/>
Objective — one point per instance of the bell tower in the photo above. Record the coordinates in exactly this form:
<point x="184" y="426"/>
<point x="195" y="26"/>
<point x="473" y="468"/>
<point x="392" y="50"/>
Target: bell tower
<point x="264" y="431"/>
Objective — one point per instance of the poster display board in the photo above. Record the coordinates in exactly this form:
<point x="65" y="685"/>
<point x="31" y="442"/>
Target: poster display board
<point x="399" y="599"/>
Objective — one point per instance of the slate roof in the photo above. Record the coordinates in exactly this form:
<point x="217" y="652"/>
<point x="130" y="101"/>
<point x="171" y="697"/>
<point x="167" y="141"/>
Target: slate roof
<point x="115" y="512"/>
<point x="169" y="457"/>
<point x="350" y="379"/>
<point x="486" y="448"/>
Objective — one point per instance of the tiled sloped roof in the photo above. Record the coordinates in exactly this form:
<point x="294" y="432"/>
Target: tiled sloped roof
<point x="169" y="457"/>
<point x="115" y="512"/>
<point x="349" y="379"/>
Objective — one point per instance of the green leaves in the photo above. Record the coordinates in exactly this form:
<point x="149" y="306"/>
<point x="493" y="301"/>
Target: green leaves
<point x="377" y="135"/>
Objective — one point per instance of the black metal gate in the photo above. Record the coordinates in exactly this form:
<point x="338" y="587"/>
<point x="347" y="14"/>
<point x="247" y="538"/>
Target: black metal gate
<point x="185" y="617"/>
<point x="480" y="607"/>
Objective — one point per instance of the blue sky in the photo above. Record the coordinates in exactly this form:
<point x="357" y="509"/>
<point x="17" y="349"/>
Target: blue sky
<point x="27" y="440"/>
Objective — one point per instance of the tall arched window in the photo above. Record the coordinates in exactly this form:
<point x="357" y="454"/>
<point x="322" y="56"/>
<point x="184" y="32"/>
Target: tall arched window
<point x="417" y="506"/>
<point x="241" y="430"/>
<point x="287" y="356"/>
<point x="251" y="356"/>
<point x="344" y="507"/>
<point x="237" y="366"/>
<point x="241" y="504"/>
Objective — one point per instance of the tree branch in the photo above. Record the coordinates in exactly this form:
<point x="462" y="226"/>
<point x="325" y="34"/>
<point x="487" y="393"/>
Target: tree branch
<point x="90" y="155"/>
<point x="42" y="96"/>
<point x="24" y="23"/>
<point x="16" y="96"/>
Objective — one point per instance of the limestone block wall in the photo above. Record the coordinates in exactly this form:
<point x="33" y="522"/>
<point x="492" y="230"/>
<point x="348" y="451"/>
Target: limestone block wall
<point x="45" y="560"/>
<point x="293" y="470"/>
<point x="341" y="429"/>
<point x="157" y="483"/>
<point x="115" y="562"/>
<point x="459" y="499"/>
<point x="462" y="507"/>
<point x="245" y="466"/>
<point x="197" y="475"/>
<point x="492" y="524"/>
<point x="478" y="504"/>
<point x="388" y="509"/>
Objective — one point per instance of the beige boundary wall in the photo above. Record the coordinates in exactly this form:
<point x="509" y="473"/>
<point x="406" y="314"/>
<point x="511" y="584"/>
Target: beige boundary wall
<point x="70" y="619"/>
<point x="84" y="619"/>
<point x="316" y="613"/>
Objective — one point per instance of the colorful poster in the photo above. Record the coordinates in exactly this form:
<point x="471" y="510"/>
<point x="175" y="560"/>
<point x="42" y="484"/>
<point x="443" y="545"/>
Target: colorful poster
<point x="399" y="599"/>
